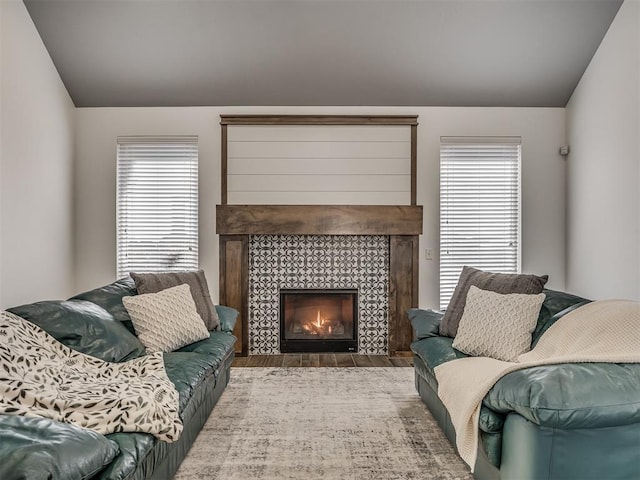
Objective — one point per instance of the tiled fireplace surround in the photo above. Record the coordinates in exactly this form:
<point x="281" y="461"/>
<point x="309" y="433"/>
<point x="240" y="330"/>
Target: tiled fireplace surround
<point x="372" y="248"/>
<point x="358" y="262"/>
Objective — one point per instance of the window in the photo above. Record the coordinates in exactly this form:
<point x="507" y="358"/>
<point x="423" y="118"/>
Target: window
<point x="157" y="204"/>
<point x="479" y="207"/>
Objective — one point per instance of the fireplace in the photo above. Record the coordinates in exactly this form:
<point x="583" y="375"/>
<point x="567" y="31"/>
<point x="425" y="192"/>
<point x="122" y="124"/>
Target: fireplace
<point x="264" y="248"/>
<point x="318" y="320"/>
<point x="318" y="263"/>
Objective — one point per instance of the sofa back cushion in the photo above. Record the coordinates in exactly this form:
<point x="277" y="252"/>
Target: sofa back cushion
<point x="157" y="282"/>
<point x="84" y="327"/>
<point x="556" y="304"/>
<point x="495" y="282"/>
<point x="110" y="296"/>
<point x="228" y="317"/>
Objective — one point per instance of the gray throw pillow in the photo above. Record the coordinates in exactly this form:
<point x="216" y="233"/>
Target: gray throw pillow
<point x="503" y="283"/>
<point x="156" y="282"/>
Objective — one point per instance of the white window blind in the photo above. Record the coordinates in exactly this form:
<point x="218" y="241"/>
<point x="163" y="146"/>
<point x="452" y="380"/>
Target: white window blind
<point x="157" y="204"/>
<point x="479" y="207"/>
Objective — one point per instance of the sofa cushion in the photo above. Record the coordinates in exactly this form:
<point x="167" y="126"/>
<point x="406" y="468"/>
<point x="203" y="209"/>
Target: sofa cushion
<point x="228" y="317"/>
<point x="491" y="445"/>
<point x="191" y="365"/>
<point x="436" y="350"/>
<point x="495" y="282"/>
<point x="187" y="369"/>
<point x="490" y="421"/>
<point x="166" y="320"/>
<point x="83" y="326"/>
<point x="134" y="448"/>
<point x="555" y="305"/>
<point x="41" y="449"/>
<point x="496" y="325"/>
<point x="218" y="345"/>
<point x="156" y="282"/>
<point x="110" y="296"/>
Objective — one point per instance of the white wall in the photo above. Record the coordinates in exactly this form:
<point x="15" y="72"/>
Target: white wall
<point x="542" y="131"/>
<point x="36" y="164"/>
<point x="603" y="126"/>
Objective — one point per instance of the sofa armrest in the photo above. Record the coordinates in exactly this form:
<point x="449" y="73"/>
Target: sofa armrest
<point x="426" y="323"/>
<point x="571" y="395"/>
<point x="227" y="316"/>
<point x="33" y="447"/>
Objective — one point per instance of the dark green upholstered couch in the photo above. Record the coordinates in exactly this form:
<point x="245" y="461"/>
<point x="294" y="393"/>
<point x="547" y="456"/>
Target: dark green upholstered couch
<point x="555" y="422"/>
<point x="97" y="323"/>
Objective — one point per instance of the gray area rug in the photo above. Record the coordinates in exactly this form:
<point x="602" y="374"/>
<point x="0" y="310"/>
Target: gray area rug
<point x="321" y="423"/>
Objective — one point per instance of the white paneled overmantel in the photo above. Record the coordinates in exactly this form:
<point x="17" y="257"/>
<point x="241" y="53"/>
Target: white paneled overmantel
<point x="319" y="164"/>
<point x="318" y="160"/>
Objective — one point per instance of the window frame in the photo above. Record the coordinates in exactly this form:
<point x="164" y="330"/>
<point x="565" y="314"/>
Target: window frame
<point x="490" y="149"/>
<point x="134" y="155"/>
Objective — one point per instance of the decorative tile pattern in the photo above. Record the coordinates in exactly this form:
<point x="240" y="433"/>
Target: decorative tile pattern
<point x="318" y="261"/>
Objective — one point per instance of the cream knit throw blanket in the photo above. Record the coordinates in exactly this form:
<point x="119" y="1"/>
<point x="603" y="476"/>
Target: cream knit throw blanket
<point x="603" y="331"/>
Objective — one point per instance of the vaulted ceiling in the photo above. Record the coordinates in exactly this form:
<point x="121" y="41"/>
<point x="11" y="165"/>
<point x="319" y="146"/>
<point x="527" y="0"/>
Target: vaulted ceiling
<point x="321" y="52"/>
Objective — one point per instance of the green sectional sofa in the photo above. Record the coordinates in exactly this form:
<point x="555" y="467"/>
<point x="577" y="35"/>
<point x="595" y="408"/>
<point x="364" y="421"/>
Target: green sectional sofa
<point x="575" y="421"/>
<point x="96" y="323"/>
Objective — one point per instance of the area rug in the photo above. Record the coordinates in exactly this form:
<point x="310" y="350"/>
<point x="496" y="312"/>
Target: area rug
<point x="321" y="423"/>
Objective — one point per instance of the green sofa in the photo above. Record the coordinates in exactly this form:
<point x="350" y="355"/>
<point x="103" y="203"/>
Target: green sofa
<point x="96" y="323"/>
<point x="555" y="422"/>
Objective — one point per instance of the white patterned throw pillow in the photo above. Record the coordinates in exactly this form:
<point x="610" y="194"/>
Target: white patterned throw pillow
<point x="167" y="320"/>
<point x="496" y="325"/>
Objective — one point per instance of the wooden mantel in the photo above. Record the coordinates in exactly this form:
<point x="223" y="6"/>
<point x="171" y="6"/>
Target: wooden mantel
<point x="319" y="220"/>
<point x="402" y="223"/>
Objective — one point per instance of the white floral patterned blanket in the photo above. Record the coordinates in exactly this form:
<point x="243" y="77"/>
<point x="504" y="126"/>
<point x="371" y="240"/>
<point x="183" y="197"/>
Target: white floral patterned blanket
<point x="41" y="377"/>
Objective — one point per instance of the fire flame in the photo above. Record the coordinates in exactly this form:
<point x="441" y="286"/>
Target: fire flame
<point x="318" y="326"/>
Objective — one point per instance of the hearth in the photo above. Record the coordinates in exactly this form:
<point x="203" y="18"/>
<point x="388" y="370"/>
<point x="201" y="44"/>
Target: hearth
<point x="318" y="320"/>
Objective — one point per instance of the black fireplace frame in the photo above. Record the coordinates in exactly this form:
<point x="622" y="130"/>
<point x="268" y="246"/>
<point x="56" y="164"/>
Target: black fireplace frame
<point x="335" y="345"/>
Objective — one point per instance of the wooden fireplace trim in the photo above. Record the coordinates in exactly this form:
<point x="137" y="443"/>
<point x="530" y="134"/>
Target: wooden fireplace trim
<point x="319" y="219"/>
<point x="402" y="223"/>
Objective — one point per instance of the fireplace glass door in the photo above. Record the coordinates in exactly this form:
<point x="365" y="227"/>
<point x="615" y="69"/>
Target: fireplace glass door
<point x="318" y="320"/>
